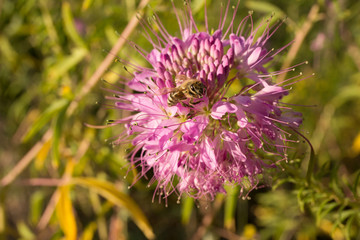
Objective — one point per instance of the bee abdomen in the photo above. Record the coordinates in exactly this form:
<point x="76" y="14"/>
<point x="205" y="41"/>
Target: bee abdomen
<point x="197" y="90"/>
<point x="174" y="98"/>
<point x="171" y="101"/>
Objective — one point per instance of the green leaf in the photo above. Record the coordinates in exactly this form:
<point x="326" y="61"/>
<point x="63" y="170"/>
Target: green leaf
<point x="187" y="207"/>
<point x="8" y="51"/>
<point x="60" y="120"/>
<point x="348" y="226"/>
<point x="64" y="65"/>
<point x="86" y="4"/>
<point x="45" y="117"/>
<point x="319" y="210"/>
<point x="24" y="231"/>
<point x="265" y="7"/>
<point x="112" y="194"/>
<point x="356" y="183"/>
<point x="335" y="182"/>
<point x="345" y="214"/>
<point x="197" y="5"/>
<point x="70" y="26"/>
<point x="42" y="155"/>
<point x="342" y="216"/>
<point x="311" y="166"/>
<point x="347" y="93"/>
<point x="230" y="206"/>
<point x="300" y="199"/>
<point x="325" y="208"/>
<point x="37" y="205"/>
<point x="88" y="233"/>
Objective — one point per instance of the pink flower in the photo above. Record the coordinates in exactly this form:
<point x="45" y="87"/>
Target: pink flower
<point x="191" y="137"/>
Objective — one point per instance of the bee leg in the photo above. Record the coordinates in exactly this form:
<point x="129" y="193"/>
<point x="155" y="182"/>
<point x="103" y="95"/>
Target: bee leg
<point x="194" y="103"/>
<point x="185" y="105"/>
<point x="191" y="114"/>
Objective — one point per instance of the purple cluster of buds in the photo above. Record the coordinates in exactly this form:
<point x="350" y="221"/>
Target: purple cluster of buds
<point x="205" y="139"/>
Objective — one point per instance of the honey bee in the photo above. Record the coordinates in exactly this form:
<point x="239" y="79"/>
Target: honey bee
<point x="188" y="89"/>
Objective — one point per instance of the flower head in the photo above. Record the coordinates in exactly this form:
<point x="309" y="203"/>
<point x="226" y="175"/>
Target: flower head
<point x="185" y="128"/>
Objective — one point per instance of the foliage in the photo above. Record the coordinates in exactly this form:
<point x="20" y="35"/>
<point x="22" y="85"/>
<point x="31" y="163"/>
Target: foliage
<point x="61" y="179"/>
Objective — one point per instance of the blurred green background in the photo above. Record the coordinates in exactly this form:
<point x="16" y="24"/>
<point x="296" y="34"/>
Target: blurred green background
<point x="49" y="51"/>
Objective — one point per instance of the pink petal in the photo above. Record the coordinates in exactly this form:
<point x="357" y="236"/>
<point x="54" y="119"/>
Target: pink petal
<point x="242" y="120"/>
<point x="154" y="57"/>
<point x="208" y="154"/>
<point x="220" y="108"/>
<point x="254" y="56"/>
<point x="271" y="93"/>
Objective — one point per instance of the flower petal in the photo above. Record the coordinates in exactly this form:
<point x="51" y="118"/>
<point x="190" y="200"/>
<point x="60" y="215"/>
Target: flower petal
<point x="220" y="108"/>
<point x="254" y="56"/>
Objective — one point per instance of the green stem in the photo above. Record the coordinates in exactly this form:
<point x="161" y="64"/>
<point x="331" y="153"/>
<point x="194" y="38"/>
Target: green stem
<point x="311" y="165"/>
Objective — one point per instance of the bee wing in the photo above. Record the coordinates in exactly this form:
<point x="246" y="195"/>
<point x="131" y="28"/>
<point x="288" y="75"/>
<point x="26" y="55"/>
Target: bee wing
<point x="166" y="90"/>
<point x="180" y="78"/>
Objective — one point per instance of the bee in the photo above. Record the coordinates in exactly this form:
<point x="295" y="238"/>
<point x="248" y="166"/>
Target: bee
<point x="188" y="89"/>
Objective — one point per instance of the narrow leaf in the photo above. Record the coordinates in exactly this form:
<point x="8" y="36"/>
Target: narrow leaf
<point x="328" y="207"/>
<point x="45" y="117"/>
<point x="300" y="199"/>
<point x="36" y="206"/>
<point x="24" y="231"/>
<point x="57" y="135"/>
<point x="348" y="226"/>
<point x="64" y="65"/>
<point x="197" y="5"/>
<point x="230" y="206"/>
<point x="112" y="194"/>
<point x="2" y="218"/>
<point x="355" y="148"/>
<point x="86" y="4"/>
<point x="88" y="233"/>
<point x="41" y="156"/>
<point x="187" y="207"/>
<point x="265" y="7"/>
<point x="64" y="212"/>
<point x="70" y="25"/>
